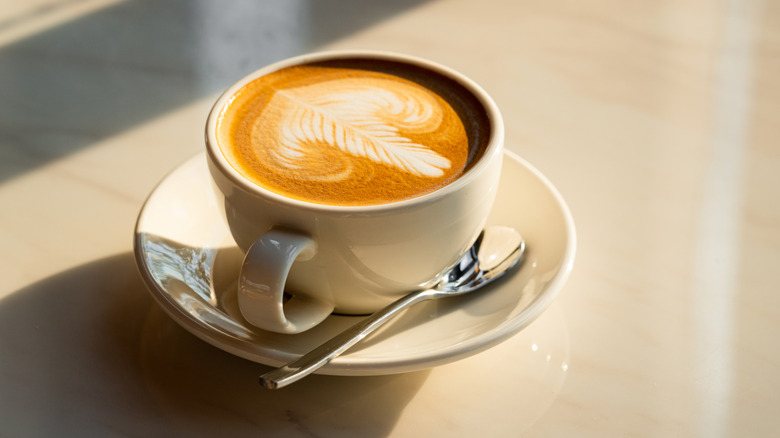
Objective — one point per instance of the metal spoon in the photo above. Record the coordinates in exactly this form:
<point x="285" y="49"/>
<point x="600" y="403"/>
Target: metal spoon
<point x="496" y="250"/>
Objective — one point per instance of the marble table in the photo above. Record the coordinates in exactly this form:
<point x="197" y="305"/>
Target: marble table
<point x="656" y="120"/>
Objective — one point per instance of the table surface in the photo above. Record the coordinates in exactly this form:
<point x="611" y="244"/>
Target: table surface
<point x="657" y="121"/>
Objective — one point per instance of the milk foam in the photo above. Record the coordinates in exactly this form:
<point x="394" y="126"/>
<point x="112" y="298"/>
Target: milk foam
<point x="351" y="134"/>
<point x="360" y="117"/>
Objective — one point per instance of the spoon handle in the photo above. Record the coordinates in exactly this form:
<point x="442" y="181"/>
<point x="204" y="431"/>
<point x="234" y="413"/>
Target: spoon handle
<point x="313" y="360"/>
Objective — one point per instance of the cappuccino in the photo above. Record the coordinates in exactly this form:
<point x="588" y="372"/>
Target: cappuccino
<point x="352" y="131"/>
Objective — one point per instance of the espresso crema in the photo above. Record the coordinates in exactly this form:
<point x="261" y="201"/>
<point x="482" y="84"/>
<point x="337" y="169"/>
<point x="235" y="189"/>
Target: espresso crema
<point x="352" y="131"/>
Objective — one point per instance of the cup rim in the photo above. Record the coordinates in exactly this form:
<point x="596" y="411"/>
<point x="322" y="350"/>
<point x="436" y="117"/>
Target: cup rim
<point x="494" y="147"/>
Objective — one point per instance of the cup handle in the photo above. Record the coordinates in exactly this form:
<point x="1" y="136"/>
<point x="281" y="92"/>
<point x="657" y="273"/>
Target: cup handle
<point x="262" y="279"/>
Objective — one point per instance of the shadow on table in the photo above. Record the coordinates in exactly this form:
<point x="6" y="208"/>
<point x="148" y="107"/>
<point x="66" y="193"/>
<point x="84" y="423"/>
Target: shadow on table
<point x="94" y="76"/>
<point x="88" y="352"/>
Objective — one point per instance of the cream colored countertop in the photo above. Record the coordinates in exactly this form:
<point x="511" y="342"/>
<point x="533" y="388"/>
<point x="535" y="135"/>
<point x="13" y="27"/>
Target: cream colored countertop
<point x="657" y="121"/>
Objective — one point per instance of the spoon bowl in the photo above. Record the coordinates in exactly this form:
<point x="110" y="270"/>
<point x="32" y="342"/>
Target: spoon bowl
<point x="496" y="250"/>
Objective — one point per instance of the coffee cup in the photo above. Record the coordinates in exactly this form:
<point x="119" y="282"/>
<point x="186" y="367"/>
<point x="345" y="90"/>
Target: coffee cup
<point x="349" y="179"/>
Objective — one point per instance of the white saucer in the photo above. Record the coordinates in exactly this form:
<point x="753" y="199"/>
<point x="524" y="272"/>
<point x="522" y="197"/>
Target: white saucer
<point x="189" y="262"/>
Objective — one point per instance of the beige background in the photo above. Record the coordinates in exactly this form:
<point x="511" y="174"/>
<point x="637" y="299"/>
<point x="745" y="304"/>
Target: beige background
<point x="657" y="120"/>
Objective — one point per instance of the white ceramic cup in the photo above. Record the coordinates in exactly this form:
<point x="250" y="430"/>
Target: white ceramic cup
<point x="351" y="260"/>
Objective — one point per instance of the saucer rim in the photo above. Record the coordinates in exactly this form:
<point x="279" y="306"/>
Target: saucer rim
<point x="350" y="365"/>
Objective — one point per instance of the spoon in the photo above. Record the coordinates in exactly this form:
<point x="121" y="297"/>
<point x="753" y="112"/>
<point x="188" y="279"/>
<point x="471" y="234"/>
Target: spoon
<point x="496" y="250"/>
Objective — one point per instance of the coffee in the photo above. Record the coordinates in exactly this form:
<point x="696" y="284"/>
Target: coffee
<point x="352" y="131"/>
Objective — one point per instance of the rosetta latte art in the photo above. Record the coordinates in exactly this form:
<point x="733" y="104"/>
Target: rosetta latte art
<point x="321" y="127"/>
<point x="351" y="132"/>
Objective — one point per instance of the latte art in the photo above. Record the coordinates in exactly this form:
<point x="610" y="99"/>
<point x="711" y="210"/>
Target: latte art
<point x="351" y="132"/>
<point x="365" y="118"/>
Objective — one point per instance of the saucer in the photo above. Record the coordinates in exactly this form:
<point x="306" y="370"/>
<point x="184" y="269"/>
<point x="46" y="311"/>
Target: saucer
<point x="189" y="261"/>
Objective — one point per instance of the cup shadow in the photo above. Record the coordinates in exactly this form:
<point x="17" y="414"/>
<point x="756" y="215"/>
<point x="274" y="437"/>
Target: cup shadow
<point x="87" y="352"/>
